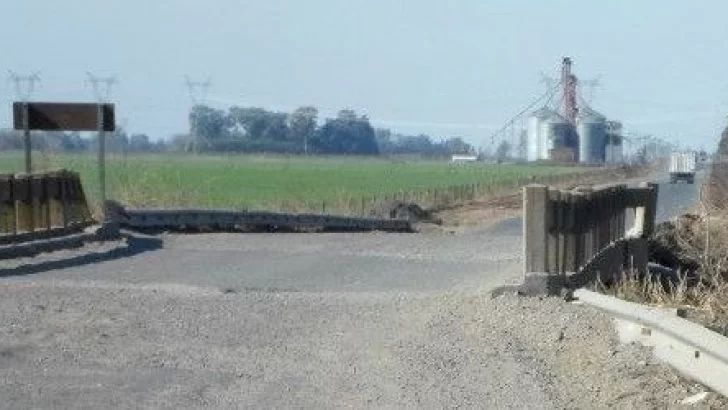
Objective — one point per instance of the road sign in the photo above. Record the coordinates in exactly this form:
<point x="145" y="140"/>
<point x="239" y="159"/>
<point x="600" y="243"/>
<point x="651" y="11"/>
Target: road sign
<point x="47" y="116"/>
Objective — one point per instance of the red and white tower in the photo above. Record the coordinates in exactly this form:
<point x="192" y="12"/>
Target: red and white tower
<point x="569" y="82"/>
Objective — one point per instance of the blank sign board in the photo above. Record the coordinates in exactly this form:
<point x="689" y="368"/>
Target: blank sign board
<point x="47" y="116"/>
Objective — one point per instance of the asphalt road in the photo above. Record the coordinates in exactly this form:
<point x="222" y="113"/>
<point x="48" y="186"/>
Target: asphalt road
<point x="673" y="200"/>
<point x="308" y="320"/>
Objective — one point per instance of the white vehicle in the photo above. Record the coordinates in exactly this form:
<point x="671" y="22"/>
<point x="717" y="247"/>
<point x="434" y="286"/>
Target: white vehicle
<point x="682" y="167"/>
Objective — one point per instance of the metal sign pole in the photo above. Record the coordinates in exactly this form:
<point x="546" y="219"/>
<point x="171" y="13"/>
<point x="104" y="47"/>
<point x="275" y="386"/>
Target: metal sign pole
<point x="26" y="138"/>
<point x="102" y="158"/>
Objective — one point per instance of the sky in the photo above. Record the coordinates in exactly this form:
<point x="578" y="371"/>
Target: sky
<point x="445" y="68"/>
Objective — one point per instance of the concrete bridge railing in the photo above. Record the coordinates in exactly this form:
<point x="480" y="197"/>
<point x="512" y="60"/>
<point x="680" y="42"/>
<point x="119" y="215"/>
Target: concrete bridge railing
<point x="569" y="233"/>
<point x="40" y="206"/>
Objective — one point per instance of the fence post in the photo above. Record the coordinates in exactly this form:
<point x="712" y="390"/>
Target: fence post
<point x="7" y="204"/>
<point x="603" y="218"/>
<point x="650" y="209"/>
<point x="535" y="228"/>
<point x="622" y="209"/>
<point x="554" y="231"/>
<point x="39" y="196"/>
<point x="586" y="216"/>
<point x="66" y="197"/>
<point x="55" y="204"/>
<point x="23" y="203"/>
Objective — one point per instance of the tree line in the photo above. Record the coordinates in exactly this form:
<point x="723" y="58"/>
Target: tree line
<point x="253" y="129"/>
<point x="257" y="130"/>
<point x="119" y="141"/>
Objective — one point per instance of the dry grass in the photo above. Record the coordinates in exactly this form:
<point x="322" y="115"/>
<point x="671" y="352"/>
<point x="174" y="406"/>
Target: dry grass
<point x="708" y="297"/>
<point x="704" y="292"/>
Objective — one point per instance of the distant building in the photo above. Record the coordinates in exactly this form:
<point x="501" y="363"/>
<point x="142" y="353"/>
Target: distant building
<point x="464" y="158"/>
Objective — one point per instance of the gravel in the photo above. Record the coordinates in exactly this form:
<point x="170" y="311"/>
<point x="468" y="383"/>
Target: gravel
<point x="68" y="343"/>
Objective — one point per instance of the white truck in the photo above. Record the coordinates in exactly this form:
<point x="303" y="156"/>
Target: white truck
<point x="682" y="166"/>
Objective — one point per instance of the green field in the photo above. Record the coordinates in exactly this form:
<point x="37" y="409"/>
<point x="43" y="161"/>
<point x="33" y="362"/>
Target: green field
<point x="277" y="182"/>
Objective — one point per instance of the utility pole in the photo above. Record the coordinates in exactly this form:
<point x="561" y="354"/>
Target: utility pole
<point x="24" y="89"/>
<point x="198" y="96"/>
<point x="102" y="92"/>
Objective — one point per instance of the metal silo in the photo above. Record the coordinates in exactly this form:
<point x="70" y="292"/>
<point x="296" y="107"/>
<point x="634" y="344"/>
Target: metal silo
<point x="592" y="130"/>
<point x="536" y="133"/>
<point x="614" y="146"/>
<point x="532" y="139"/>
<point x="555" y="134"/>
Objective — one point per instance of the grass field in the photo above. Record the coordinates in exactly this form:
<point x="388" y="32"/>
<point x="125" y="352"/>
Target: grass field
<point x="276" y="182"/>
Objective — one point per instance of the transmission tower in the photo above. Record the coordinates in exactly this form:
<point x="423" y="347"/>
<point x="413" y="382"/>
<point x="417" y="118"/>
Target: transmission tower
<point x="198" y="96"/>
<point x="24" y="84"/>
<point x="198" y="90"/>
<point x="101" y="86"/>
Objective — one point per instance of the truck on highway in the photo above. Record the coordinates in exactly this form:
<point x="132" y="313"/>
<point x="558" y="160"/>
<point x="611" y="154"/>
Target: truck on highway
<point x="682" y="166"/>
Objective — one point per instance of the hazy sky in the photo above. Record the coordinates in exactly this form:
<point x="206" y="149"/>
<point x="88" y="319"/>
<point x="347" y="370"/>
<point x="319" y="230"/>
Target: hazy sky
<point x="446" y="67"/>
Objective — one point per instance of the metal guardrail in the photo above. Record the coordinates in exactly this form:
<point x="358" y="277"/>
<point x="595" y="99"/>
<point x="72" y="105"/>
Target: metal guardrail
<point x="41" y="206"/>
<point x="564" y="230"/>
<point x="693" y="350"/>
<point x="206" y="220"/>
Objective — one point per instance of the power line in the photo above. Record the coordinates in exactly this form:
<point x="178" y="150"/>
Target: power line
<point x="24" y="84"/>
<point x="548" y="96"/>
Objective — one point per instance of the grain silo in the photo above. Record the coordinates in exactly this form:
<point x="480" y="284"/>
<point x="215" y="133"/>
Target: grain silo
<point x="556" y="131"/>
<point x="614" y="152"/>
<point x="592" y="130"/>
<point x="537" y="131"/>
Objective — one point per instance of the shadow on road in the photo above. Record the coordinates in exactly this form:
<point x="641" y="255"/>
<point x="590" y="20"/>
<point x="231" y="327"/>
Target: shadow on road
<point x="134" y="246"/>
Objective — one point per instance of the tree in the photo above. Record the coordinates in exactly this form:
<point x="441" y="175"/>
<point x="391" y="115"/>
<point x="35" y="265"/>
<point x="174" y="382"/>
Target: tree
<point x="415" y="144"/>
<point x="723" y="144"/>
<point x="347" y="115"/>
<point x="456" y="146"/>
<point x="208" y="123"/>
<point x="302" y="124"/>
<point x="503" y="151"/>
<point x="346" y="134"/>
<point x="383" y="137"/>
<point x="181" y="143"/>
<point x="140" y="143"/>
<point x="258" y="124"/>
<point x="117" y="141"/>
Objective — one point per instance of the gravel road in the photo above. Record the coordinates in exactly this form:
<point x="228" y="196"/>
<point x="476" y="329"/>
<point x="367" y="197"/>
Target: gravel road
<point x="309" y="321"/>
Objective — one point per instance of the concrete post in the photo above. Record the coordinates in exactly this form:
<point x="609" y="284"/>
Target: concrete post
<point x="535" y="228"/>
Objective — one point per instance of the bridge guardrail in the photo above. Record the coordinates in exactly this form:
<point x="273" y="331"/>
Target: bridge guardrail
<point x="564" y="230"/>
<point x="41" y="206"/>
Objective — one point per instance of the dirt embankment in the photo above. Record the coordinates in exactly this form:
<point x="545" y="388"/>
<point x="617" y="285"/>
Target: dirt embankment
<point x="493" y="208"/>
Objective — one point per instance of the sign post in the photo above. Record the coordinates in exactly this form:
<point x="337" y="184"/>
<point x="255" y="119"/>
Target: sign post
<point x="102" y="154"/>
<point x="26" y="140"/>
<point x="48" y="116"/>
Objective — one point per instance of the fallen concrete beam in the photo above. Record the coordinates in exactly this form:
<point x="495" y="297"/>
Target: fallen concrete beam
<point x="151" y="219"/>
<point x="32" y="248"/>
